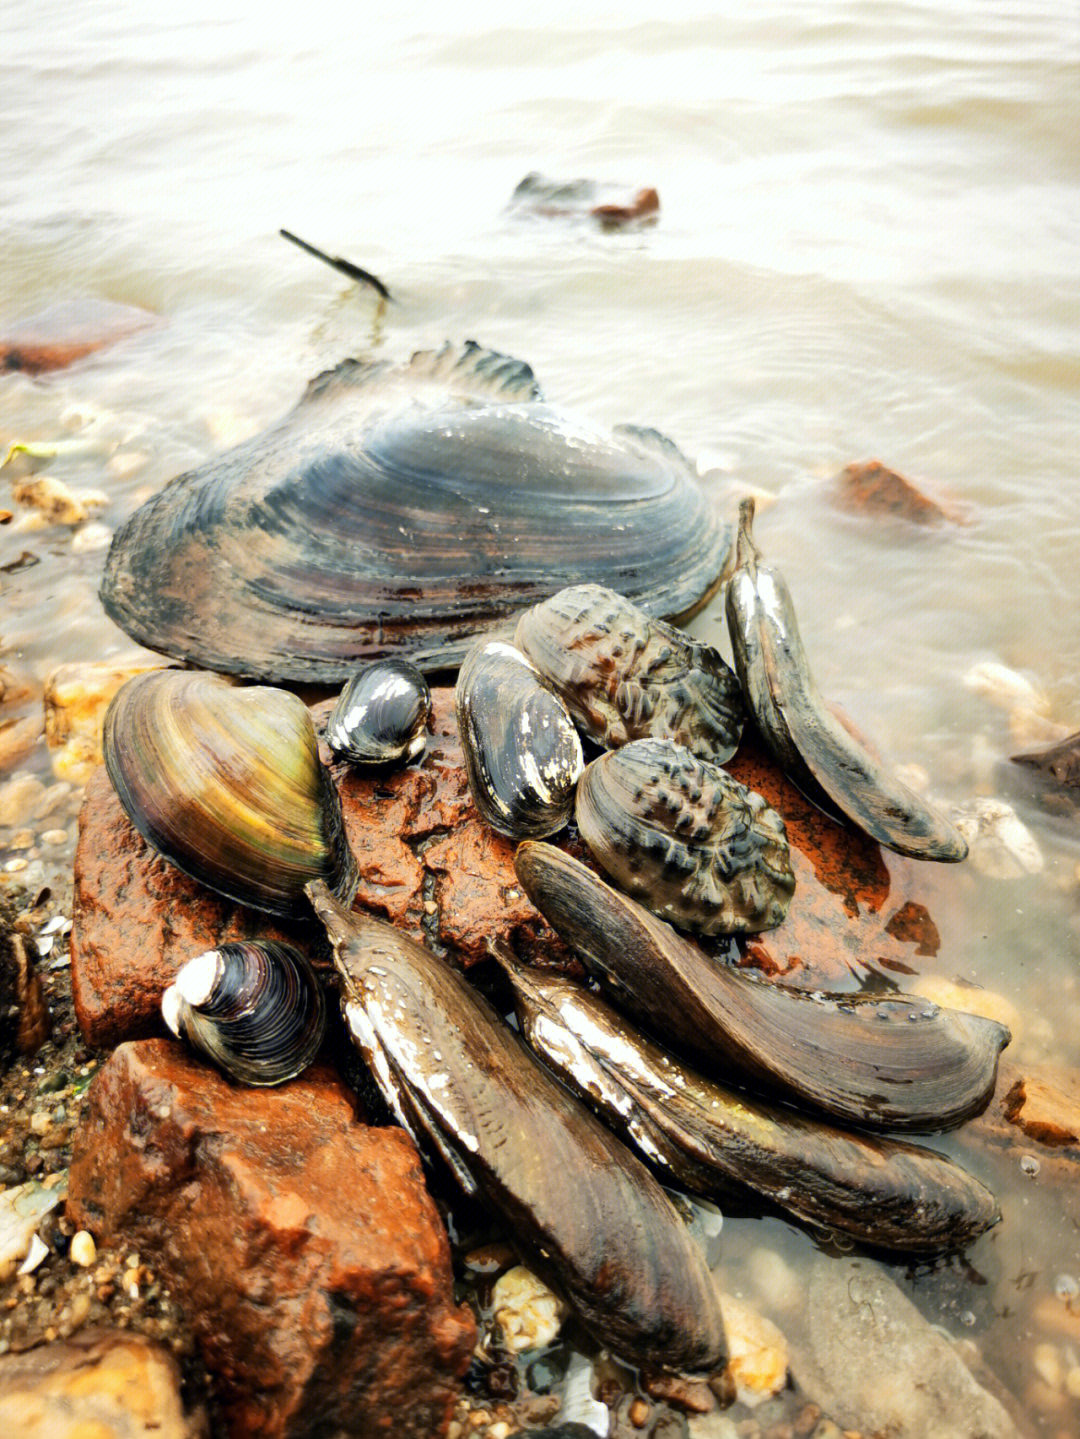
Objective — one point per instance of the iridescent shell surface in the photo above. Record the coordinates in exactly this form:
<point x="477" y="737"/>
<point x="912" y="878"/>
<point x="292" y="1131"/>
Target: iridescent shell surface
<point x="890" y="1061"/>
<point x="405" y="510"/>
<point x="580" y="1205"/>
<point x="522" y="753"/>
<point x="625" y="676"/>
<point x="687" y="840"/>
<point x="709" y="1137"/>
<point x="226" y="783"/>
<point x="381" y="715"/>
<point x="256" y="1009"/>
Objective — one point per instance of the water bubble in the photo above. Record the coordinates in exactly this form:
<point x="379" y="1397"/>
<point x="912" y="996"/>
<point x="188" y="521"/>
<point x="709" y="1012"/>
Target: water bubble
<point x="1067" y="1287"/>
<point x="1029" y="1165"/>
<point x="967" y="1319"/>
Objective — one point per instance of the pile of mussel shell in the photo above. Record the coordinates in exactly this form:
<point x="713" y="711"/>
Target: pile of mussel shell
<point x="730" y="1083"/>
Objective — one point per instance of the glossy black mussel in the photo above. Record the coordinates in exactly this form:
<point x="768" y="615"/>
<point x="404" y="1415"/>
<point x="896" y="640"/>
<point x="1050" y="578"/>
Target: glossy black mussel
<point x="626" y="676"/>
<point x="685" y="838"/>
<point x="707" y="1137"/>
<point x="895" y="1062"/>
<point x="522" y="752"/>
<point x="405" y="510"/>
<point x="583" y="1209"/>
<point x="381" y="715"/>
<point x="226" y="783"/>
<point x="255" y="1008"/>
<point x="816" y="751"/>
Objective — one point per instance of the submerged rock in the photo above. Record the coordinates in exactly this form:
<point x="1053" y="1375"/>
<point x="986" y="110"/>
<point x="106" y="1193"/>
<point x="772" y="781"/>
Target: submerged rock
<point x="56" y="337"/>
<point x="874" y="489"/>
<point x="302" y="1245"/>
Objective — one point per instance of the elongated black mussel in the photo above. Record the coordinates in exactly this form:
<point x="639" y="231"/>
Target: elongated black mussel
<point x="255" y="1008"/>
<point x="405" y="510"/>
<point x="522" y="753"/>
<point x="625" y="676"/>
<point x="226" y="783"/>
<point x="583" y="1209"/>
<point x="381" y="715"/>
<point x="897" y="1062"/>
<point x="684" y="837"/>
<point x="882" y="1192"/>
<point x="816" y="751"/>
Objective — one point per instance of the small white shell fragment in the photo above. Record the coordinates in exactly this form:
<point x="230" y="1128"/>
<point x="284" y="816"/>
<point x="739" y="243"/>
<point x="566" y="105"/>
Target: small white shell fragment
<point x="1001" y="846"/>
<point x="83" y="1250"/>
<point x="528" y="1313"/>
<point x="578" y="1403"/>
<point x="21" y="1210"/>
<point x="758" y="1350"/>
<point x="39" y="1251"/>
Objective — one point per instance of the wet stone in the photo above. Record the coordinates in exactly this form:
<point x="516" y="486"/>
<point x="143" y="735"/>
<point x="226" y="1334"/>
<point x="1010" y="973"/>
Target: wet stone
<point x="301" y="1244"/>
<point x="872" y="488"/>
<point x="1045" y="1110"/>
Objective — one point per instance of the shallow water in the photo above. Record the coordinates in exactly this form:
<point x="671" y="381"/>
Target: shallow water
<point x="869" y="245"/>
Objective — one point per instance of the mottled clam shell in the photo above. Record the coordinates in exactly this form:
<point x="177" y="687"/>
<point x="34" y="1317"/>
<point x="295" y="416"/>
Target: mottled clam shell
<point x="625" y="676"/>
<point x="890" y="1062"/>
<point x="255" y="1008"/>
<point x="708" y="1138"/>
<point x="683" y="837"/>
<point x="522" y="753"/>
<point x="381" y="715"/>
<point x="405" y="510"/>
<point x="581" y="1207"/>
<point x="226" y="783"/>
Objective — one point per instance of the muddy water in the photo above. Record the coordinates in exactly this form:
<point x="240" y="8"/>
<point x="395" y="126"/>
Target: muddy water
<point x="869" y="245"/>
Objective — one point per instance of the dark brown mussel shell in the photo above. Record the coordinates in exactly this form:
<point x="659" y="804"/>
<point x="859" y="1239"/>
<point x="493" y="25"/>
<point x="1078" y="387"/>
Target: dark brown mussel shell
<point x="695" y="845"/>
<point x="405" y="510"/>
<point x="381" y="715"/>
<point x="584" y="1210"/>
<point x="625" y="676"/>
<point x="882" y="1192"/>
<point x="895" y="1062"/>
<point x="226" y="783"/>
<point x="522" y="752"/>
<point x="255" y="1008"/>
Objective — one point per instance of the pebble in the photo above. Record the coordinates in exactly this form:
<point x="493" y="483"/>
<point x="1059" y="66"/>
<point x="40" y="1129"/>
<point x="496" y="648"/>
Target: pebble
<point x="83" y="1250"/>
<point x="527" y="1312"/>
<point x="1001" y="845"/>
<point x="55" y="501"/>
<point x="19" y="798"/>
<point x="758" y="1351"/>
<point x="90" y="538"/>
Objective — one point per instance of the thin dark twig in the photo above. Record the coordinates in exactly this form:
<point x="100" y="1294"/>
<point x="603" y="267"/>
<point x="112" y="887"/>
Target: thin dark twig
<point x="346" y="267"/>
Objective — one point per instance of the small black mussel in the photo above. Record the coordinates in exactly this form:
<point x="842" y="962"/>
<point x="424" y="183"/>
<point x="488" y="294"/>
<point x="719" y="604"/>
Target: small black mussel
<point x="381" y="715"/>
<point x="626" y="676"/>
<point x="255" y="1008"/>
<point x="709" y="1138"/>
<point x="522" y="753"/>
<point x="226" y="783"/>
<point x="583" y="1209"/>
<point x="686" y="839"/>
<point x="888" y="1061"/>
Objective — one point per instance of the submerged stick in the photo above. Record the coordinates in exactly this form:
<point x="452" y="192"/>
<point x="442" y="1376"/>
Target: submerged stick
<point x="354" y="272"/>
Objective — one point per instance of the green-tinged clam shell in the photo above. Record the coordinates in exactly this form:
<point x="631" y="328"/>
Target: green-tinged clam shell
<point x="254" y="1007"/>
<point x="227" y="784"/>
<point x="584" y="1210"/>
<point x="893" y="1062"/>
<point x="625" y="676"/>
<point x="686" y="839"/>
<point x="405" y="510"/>
<point x="708" y="1137"/>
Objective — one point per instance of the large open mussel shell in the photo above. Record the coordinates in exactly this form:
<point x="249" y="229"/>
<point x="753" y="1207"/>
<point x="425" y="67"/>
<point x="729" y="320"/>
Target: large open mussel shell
<point x="625" y="676"/>
<point x="582" y="1207"/>
<point x="405" y="509"/>
<point x="895" y="1062"/>
<point x="255" y="1008"/>
<point x="522" y="753"/>
<point x="882" y="1192"/>
<point x="816" y="751"/>
<point x="226" y="783"/>
<point x="381" y="715"/>
<point x="688" y="840"/>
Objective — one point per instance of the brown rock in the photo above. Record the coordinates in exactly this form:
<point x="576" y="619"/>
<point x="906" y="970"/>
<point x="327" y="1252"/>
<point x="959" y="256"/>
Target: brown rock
<point x="1045" y="1111"/>
<point x="418" y="843"/>
<point x="874" y="489"/>
<point x="302" y="1244"/>
<point x="102" y="1384"/>
<point x="66" y="332"/>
